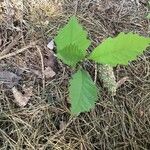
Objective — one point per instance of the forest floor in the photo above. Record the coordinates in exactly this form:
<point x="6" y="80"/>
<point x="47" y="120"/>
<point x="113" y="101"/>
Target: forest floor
<point x="34" y="104"/>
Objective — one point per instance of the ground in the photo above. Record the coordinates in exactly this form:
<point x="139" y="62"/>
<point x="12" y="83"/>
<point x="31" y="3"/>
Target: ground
<point x="120" y="122"/>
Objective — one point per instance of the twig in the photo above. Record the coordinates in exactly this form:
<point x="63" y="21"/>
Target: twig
<point x="17" y="51"/>
<point x="42" y="66"/>
<point x="122" y="81"/>
<point x="11" y="45"/>
<point x="95" y="77"/>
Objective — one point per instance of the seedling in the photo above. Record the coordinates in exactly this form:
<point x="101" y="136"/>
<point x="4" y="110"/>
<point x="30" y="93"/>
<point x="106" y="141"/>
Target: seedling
<point x="72" y="45"/>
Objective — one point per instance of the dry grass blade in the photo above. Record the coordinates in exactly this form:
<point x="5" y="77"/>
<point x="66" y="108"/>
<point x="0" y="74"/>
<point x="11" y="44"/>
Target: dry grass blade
<point x="42" y="66"/>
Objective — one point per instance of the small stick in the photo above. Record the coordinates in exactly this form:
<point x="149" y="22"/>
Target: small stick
<point x="122" y="81"/>
<point x="17" y="51"/>
<point x="42" y="65"/>
<point x="11" y="45"/>
<point x="95" y="77"/>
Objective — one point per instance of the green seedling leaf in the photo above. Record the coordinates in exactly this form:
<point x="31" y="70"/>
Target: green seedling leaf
<point x="120" y="50"/>
<point x="82" y="92"/>
<point x="70" y="55"/>
<point x="72" y="43"/>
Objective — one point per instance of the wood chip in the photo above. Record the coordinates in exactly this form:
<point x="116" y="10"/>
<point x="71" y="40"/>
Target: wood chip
<point x="22" y="99"/>
<point x="49" y="73"/>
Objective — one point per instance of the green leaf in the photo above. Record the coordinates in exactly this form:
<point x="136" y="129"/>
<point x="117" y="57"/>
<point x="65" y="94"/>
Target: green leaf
<point x="70" y="59"/>
<point x="120" y="50"/>
<point x="72" y="41"/>
<point x="83" y="92"/>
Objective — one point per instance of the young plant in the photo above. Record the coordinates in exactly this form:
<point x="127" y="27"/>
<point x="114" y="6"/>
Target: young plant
<point x="72" y="44"/>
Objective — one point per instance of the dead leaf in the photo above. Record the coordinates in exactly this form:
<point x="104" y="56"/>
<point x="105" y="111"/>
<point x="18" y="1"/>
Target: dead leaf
<point x="49" y="73"/>
<point x="22" y="99"/>
<point x="50" y="60"/>
<point x="9" y="78"/>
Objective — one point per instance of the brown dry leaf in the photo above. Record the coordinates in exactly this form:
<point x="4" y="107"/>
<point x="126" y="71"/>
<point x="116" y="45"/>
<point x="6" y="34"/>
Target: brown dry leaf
<point x="49" y="72"/>
<point x="9" y="78"/>
<point x="50" y="60"/>
<point x="22" y="99"/>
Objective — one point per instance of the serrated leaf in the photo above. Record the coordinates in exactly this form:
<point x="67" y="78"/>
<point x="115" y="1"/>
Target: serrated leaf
<point x="73" y="58"/>
<point x="72" y="38"/>
<point x="120" y="50"/>
<point x="83" y="92"/>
